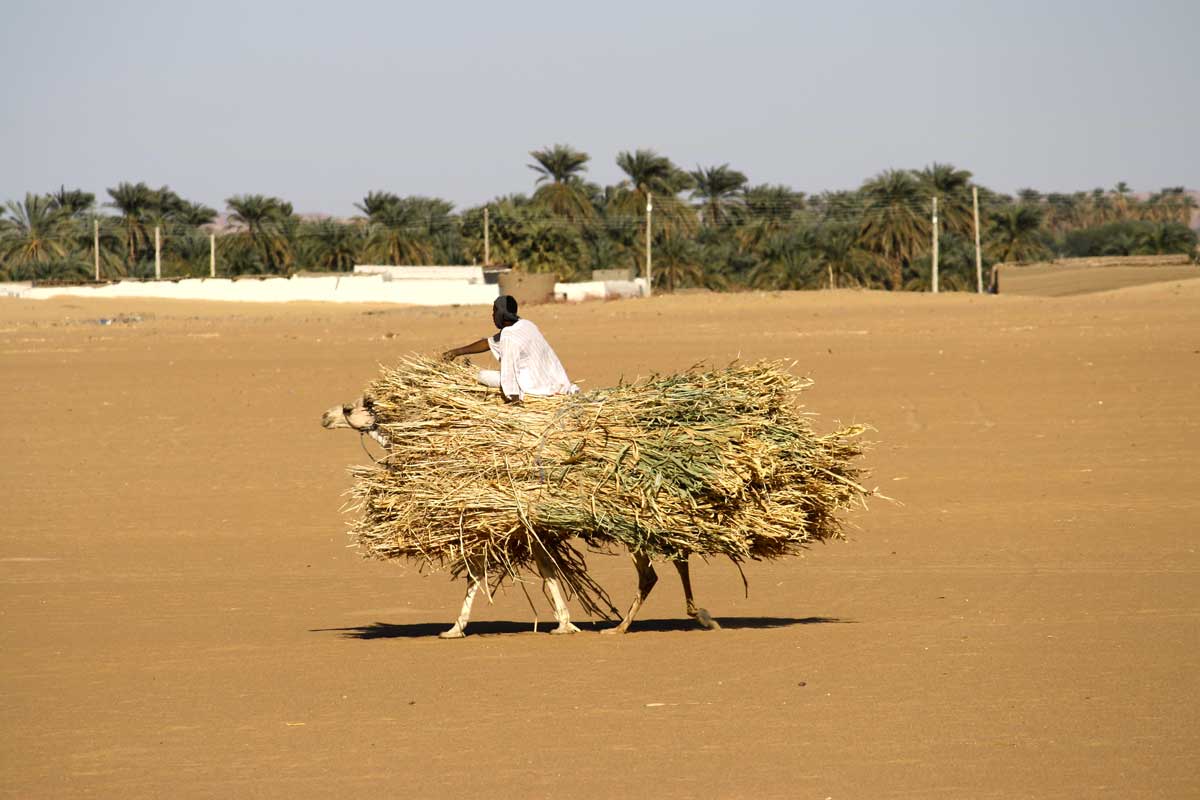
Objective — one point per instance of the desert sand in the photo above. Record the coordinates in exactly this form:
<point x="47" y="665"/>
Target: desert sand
<point x="180" y="615"/>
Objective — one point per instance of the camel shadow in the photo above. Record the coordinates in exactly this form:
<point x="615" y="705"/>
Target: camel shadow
<point x="417" y="630"/>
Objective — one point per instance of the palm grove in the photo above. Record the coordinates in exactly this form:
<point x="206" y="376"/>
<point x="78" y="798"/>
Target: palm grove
<point x="711" y="227"/>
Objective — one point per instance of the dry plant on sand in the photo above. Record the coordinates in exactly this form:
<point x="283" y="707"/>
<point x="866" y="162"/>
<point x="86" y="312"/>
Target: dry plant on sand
<point x="715" y="462"/>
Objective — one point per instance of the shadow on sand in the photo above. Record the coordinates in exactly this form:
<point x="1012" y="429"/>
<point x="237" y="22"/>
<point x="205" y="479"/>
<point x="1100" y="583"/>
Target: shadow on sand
<point x="384" y="630"/>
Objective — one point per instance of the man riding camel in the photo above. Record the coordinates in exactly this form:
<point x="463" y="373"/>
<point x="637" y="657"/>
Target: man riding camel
<point x="528" y="365"/>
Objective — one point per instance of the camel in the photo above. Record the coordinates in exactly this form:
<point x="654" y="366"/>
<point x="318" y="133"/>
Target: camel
<point x="358" y="416"/>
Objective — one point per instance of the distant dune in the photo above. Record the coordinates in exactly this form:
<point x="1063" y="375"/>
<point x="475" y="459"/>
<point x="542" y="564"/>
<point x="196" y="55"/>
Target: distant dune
<point x="1075" y="276"/>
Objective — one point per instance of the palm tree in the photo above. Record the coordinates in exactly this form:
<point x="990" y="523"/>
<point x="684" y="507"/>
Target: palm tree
<point x="1063" y="211"/>
<point x="953" y="190"/>
<point x="410" y="230"/>
<point x="563" y="191"/>
<point x="83" y="232"/>
<point x="142" y="209"/>
<point x="265" y="223"/>
<point x="1167" y="237"/>
<point x="1121" y="241"/>
<point x="523" y="237"/>
<point x="1015" y="234"/>
<point x="790" y="261"/>
<point x="724" y="262"/>
<point x="1123" y="200"/>
<point x="1029" y="197"/>
<point x="717" y="189"/>
<point x="442" y="228"/>
<point x="194" y="215"/>
<point x="648" y="171"/>
<point x="37" y="233"/>
<point x="398" y="234"/>
<point x="72" y="202"/>
<point x="1184" y="207"/>
<point x="330" y="246"/>
<point x="134" y="201"/>
<point x="1171" y="204"/>
<point x="605" y="251"/>
<point x="840" y="206"/>
<point x="849" y="263"/>
<point x="920" y="279"/>
<point x="1100" y="209"/>
<point x="767" y="210"/>
<point x="651" y="174"/>
<point x="615" y="239"/>
<point x="677" y="262"/>
<point x="375" y="202"/>
<point x="896" y="224"/>
<point x="177" y="220"/>
<point x="559" y="163"/>
<point x="185" y="252"/>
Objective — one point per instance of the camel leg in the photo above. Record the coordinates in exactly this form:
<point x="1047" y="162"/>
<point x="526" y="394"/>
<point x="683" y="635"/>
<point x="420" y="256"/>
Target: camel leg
<point x="701" y="615"/>
<point x="561" y="612"/>
<point x="461" y="623"/>
<point x="647" y="577"/>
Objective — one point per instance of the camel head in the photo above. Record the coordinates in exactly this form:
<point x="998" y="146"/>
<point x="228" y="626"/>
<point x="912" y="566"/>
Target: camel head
<point x="357" y="416"/>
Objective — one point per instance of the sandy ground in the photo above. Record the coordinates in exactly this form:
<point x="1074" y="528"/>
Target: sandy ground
<point x="1053" y="280"/>
<point x="180" y="616"/>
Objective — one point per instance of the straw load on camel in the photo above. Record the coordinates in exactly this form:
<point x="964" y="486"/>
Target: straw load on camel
<point x="717" y="462"/>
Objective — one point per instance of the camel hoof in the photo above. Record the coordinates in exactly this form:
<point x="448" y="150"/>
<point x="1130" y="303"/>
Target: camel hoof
<point x="613" y="631"/>
<point x="706" y="621"/>
<point x="564" y="629"/>
<point x="453" y="633"/>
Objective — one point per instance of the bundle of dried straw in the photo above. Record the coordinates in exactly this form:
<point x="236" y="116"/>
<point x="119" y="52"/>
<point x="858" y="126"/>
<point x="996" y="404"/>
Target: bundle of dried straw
<point x="709" y="461"/>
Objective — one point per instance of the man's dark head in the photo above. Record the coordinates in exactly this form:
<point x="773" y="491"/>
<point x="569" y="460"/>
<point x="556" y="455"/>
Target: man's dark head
<point x="504" y="311"/>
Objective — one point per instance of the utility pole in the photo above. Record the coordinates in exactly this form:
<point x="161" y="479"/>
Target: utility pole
<point x="96" y="246"/>
<point x="978" y="254"/>
<point x="157" y="255"/>
<point x="212" y="255"/>
<point x="649" y="275"/>
<point x="935" y="246"/>
<point x="487" y="250"/>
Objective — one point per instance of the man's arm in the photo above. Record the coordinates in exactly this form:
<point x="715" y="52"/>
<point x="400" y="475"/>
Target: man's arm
<point x="480" y="346"/>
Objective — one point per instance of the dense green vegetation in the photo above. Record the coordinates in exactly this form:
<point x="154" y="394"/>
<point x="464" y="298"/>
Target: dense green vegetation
<point x="711" y="227"/>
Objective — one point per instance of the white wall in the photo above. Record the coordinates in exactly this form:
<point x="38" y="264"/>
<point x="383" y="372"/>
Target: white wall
<point x="599" y="290"/>
<point x="326" y="288"/>
<point x="15" y="288"/>
<point x="348" y="288"/>
<point x="391" y="273"/>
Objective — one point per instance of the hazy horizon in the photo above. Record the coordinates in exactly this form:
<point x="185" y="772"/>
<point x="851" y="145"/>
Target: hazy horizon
<point x="319" y="106"/>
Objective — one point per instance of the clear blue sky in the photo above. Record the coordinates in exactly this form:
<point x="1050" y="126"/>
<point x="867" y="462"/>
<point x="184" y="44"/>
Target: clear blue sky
<point x="319" y="103"/>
